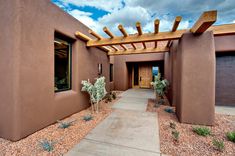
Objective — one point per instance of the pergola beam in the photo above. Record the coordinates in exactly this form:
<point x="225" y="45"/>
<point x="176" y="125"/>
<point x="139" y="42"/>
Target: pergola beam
<point x="174" y="27"/>
<point x="148" y="37"/>
<point x="204" y="22"/>
<point x="114" y="47"/>
<point x="95" y="34"/>
<point x="156" y="29"/>
<point x="86" y="39"/>
<point x="106" y="30"/>
<point x="123" y="46"/>
<point x="140" y="51"/>
<point x="123" y="31"/>
<point x="140" y="32"/>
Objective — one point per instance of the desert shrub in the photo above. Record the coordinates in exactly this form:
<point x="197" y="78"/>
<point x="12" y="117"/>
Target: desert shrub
<point x="172" y="125"/>
<point x="203" y="131"/>
<point x="114" y="95"/>
<point x="87" y="118"/>
<point x="169" y="110"/>
<point x="175" y="135"/>
<point x="65" y="124"/>
<point x="218" y="144"/>
<point x="97" y="91"/>
<point x="47" y="145"/>
<point x="108" y="98"/>
<point x="160" y="88"/>
<point x="231" y="136"/>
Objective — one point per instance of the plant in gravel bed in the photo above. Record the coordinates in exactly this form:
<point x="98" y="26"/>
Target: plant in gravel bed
<point x="160" y="88"/>
<point x="203" y="131"/>
<point x="87" y="118"/>
<point x="218" y="144"/>
<point x="172" y="125"/>
<point x="169" y="110"/>
<point x="175" y="135"/>
<point x="231" y="136"/>
<point x="97" y="92"/>
<point x="65" y="124"/>
<point x="47" y="145"/>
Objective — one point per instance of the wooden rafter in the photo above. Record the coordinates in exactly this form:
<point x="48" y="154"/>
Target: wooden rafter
<point x="123" y="31"/>
<point x="204" y="22"/>
<point x="156" y="29"/>
<point x="86" y="39"/>
<point x="123" y="46"/>
<point x="95" y="34"/>
<point x="140" y="51"/>
<point x="140" y="32"/>
<point x="106" y="30"/>
<point x="114" y="47"/>
<point x="174" y="27"/>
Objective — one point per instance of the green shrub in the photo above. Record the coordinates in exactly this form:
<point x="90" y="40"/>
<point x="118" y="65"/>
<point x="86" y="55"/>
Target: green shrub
<point x="46" y="145"/>
<point x="65" y="124"/>
<point x="114" y="95"/>
<point x="87" y="118"/>
<point x="175" y="135"/>
<point x="108" y="98"/>
<point x="203" y="131"/>
<point x="231" y="136"/>
<point x="172" y="125"/>
<point x="218" y="144"/>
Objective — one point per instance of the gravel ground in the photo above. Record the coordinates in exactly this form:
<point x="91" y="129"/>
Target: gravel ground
<point x="191" y="144"/>
<point x="64" y="139"/>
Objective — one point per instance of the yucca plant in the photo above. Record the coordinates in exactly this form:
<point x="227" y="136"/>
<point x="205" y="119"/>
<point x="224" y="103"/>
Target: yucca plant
<point x="160" y="88"/>
<point x="47" y="145"/>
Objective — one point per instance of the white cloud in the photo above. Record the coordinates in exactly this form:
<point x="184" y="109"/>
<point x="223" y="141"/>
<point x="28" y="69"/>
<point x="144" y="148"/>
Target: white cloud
<point x="107" y="5"/>
<point x="146" y="11"/>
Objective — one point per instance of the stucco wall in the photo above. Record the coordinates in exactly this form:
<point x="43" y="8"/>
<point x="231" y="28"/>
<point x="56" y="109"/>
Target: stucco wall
<point x="196" y="64"/>
<point x="28" y="100"/>
<point x="224" y="43"/>
<point x="121" y="69"/>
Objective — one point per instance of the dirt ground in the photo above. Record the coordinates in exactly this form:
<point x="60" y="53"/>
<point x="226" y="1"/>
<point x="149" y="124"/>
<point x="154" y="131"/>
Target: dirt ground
<point x="189" y="143"/>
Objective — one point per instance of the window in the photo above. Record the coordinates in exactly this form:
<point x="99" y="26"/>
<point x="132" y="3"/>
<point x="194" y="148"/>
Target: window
<point x="62" y="55"/>
<point x="111" y="73"/>
<point x="155" y="71"/>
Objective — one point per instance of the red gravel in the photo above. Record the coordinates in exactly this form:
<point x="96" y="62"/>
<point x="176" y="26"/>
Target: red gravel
<point x="191" y="144"/>
<point x="65" y="138"/>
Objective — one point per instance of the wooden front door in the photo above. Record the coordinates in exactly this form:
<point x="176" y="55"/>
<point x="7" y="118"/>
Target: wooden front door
<point x="145" y="76"/>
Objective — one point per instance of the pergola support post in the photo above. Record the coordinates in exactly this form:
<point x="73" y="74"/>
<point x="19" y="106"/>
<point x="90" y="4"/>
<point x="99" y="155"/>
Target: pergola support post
<point x="195" y="102"/>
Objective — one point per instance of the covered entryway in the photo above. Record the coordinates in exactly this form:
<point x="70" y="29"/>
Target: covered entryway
<point x="142" y="73"/>
<point x="225" y="79"/>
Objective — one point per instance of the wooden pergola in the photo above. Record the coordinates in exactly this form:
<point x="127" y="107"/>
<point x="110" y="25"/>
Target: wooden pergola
<point x="152" y="42"/>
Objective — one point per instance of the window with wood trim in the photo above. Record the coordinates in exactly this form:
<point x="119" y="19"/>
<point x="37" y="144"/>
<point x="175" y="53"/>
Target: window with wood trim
<point x="62" y="64"/>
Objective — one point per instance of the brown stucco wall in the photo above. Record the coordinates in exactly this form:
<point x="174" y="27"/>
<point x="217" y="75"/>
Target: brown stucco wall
<point x="224" y="43"/>
<point x="28" y="101"/>
<point x="168" y="73"/>
<point x="121" y="78"/>
<point x="197" y="79"/>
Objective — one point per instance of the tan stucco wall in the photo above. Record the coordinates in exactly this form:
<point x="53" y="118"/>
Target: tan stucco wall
<point x="28" y="101"/>
<point x="121" y="80"/>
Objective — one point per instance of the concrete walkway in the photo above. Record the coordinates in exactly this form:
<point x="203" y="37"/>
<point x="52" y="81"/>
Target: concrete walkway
<point x="227" y="110"/>
<point x="128" y="131"/>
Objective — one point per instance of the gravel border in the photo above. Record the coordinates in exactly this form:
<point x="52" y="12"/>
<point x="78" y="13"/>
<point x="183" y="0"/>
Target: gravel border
<point x="64" y="139"/>
<point x="191" y="144"/>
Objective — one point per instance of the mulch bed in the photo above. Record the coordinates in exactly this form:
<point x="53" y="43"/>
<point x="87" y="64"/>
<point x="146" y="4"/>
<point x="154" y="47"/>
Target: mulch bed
<point x="64" y="139"/>
<point x="191" y="144"/>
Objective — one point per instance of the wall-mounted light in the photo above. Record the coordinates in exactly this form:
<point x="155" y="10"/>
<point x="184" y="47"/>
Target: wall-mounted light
<point x="99" y="69"/>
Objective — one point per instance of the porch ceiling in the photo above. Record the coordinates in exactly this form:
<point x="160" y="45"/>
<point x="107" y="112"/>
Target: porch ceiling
<point x="152" y="42"/>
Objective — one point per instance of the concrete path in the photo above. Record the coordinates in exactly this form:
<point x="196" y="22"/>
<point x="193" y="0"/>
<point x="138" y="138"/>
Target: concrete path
<point x="227" y="110"/>
<point x="128" y="131"/>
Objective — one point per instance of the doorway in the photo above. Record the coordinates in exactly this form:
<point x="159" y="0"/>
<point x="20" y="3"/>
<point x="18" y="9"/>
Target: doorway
<point x="142" y="73"/>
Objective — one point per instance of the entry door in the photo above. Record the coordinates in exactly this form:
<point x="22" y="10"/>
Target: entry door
<point x="145" y="76"/>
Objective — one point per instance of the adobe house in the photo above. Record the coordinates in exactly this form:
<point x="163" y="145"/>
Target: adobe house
<point x="46" y="53"/>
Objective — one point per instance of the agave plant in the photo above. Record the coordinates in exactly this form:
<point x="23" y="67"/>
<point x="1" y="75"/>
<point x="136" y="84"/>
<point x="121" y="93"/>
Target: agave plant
<point x="160" y="87"/>
<point x="97" y="92"/>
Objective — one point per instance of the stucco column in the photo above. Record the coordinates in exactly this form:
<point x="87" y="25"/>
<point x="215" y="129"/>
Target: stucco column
<point x="196" y="86"/>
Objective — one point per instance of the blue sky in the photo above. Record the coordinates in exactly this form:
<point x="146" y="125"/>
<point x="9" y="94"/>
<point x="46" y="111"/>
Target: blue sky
<point x="99" y="13"/>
